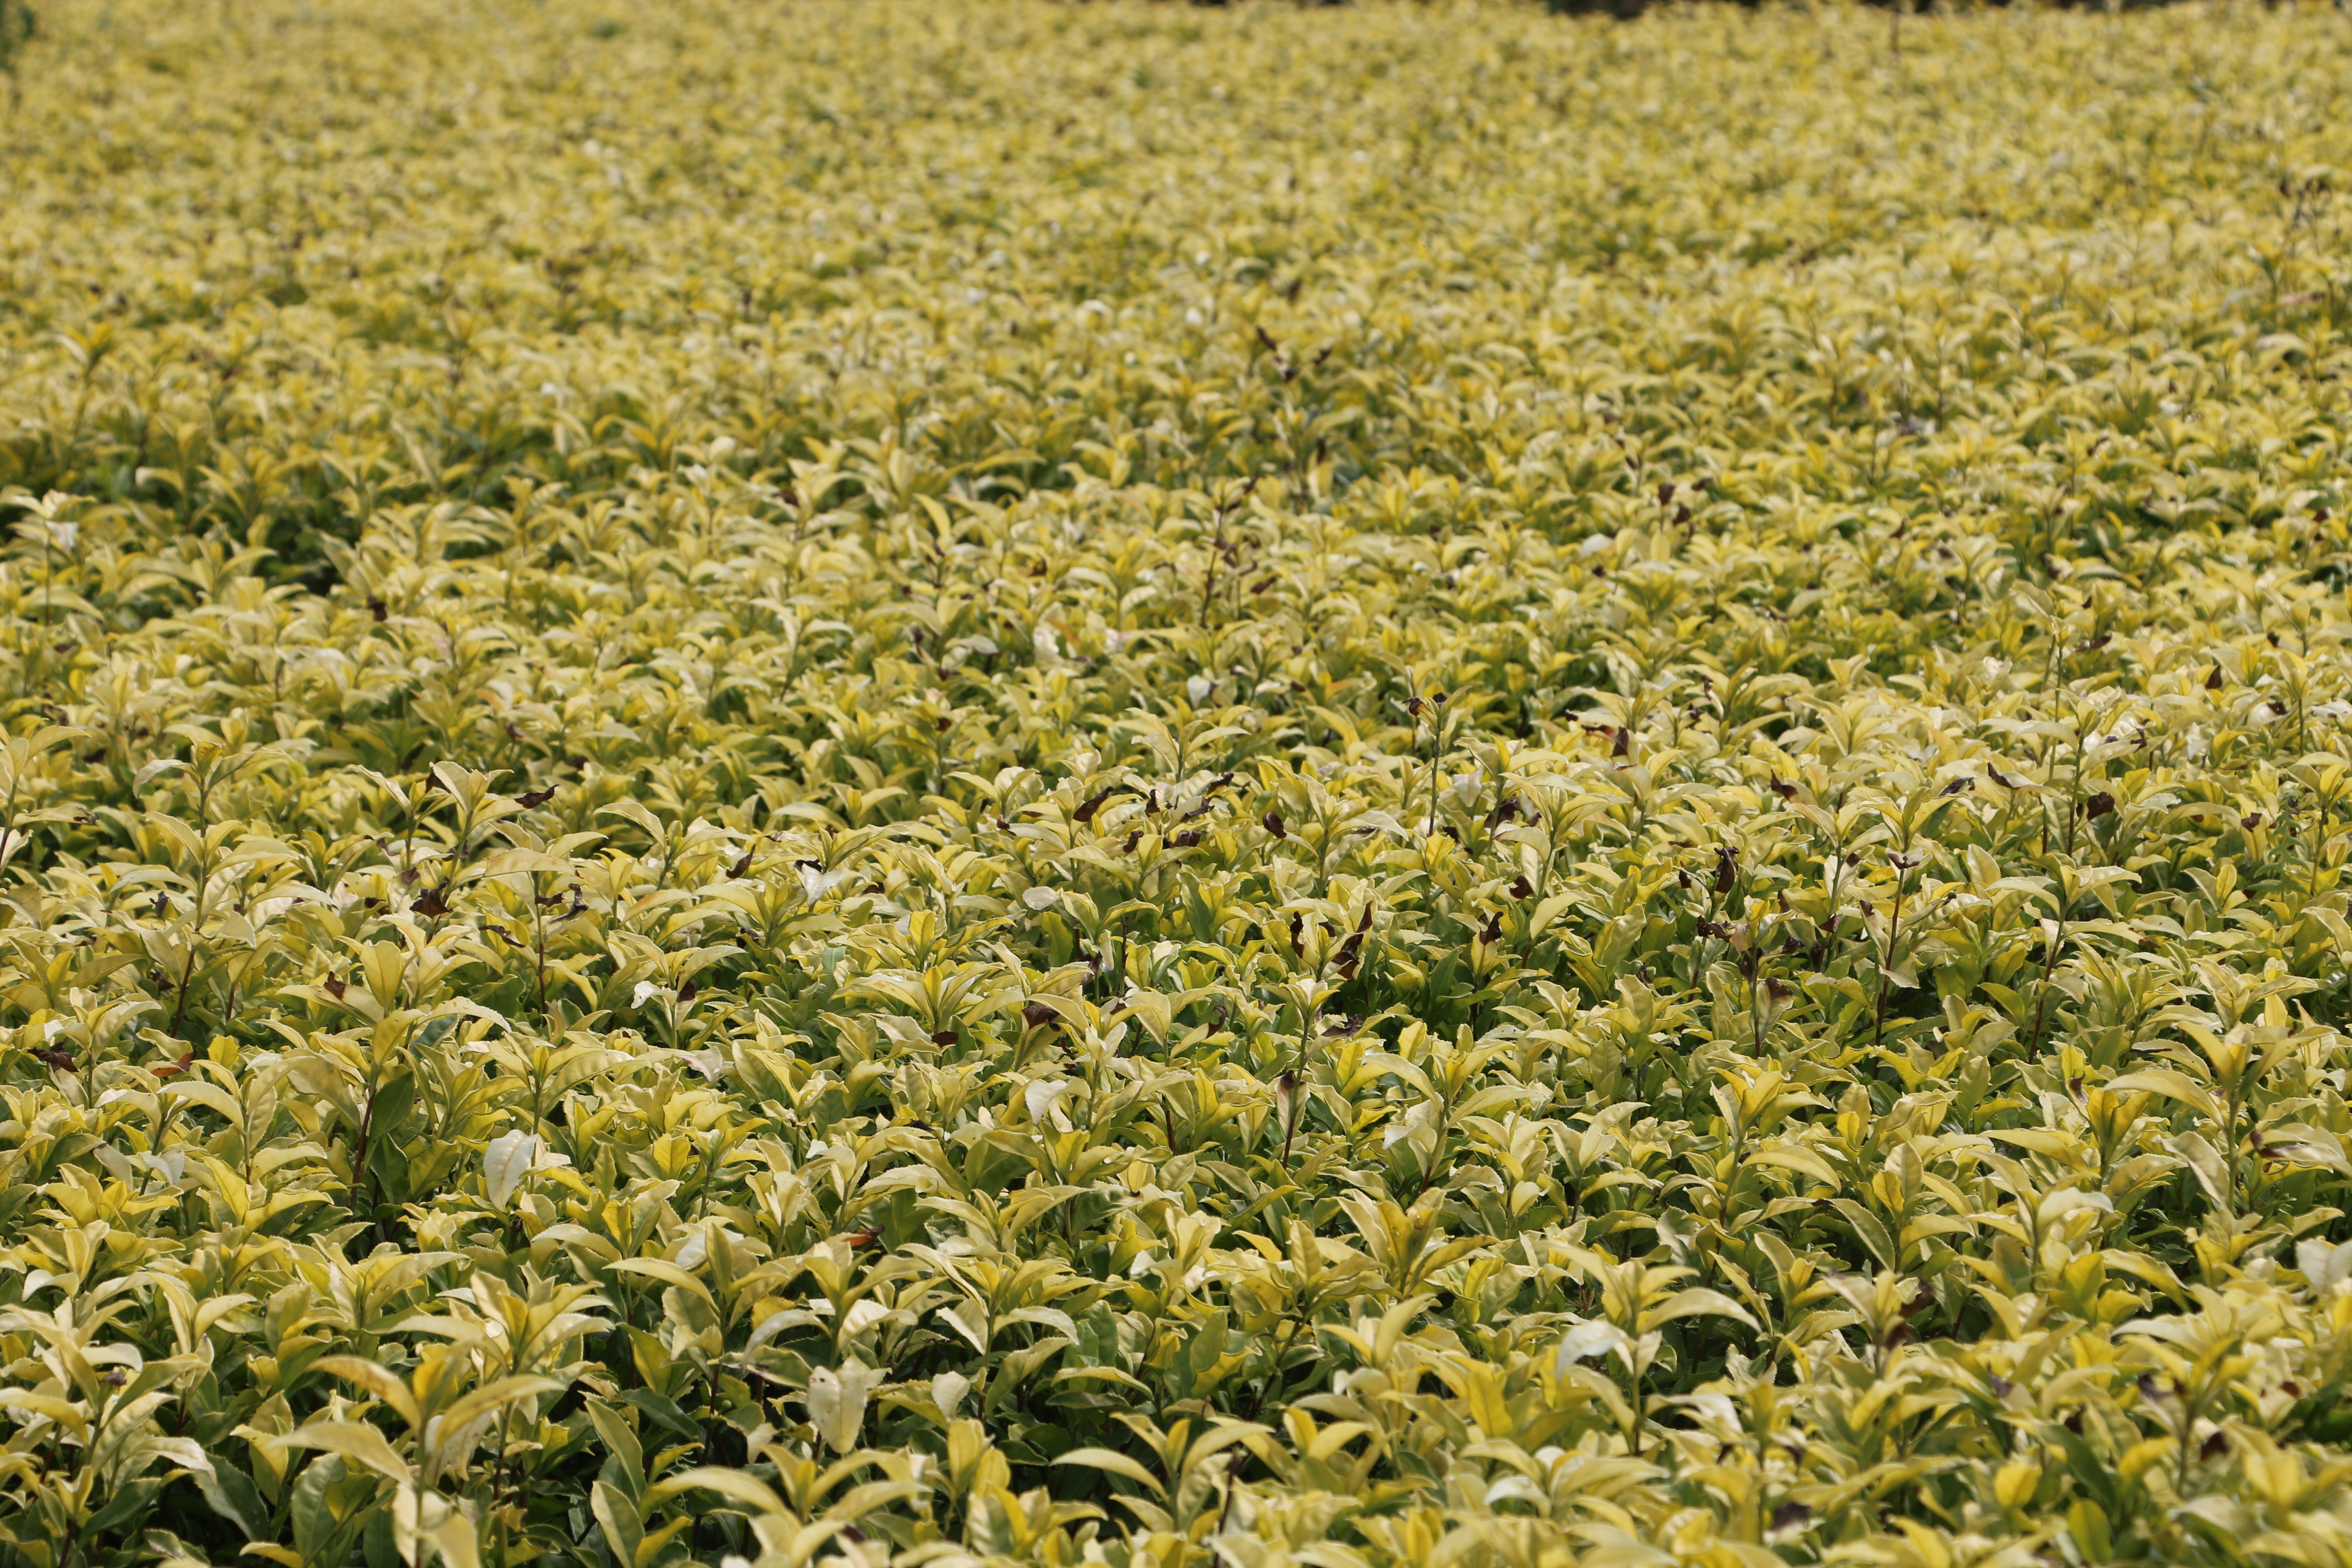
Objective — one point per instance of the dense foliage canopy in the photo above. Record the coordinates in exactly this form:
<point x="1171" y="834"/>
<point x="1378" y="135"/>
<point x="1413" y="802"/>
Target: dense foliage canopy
<point x="959" y="781"/>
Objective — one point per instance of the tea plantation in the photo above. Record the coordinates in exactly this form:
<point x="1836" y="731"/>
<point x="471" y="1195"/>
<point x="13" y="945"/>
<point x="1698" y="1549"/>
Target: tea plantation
<point x="987" y="782"/>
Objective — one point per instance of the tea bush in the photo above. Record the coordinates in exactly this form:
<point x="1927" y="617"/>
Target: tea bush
<point x="987" y="782"/>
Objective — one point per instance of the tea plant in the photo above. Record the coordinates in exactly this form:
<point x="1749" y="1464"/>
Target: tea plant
<point x="990" y="782"/>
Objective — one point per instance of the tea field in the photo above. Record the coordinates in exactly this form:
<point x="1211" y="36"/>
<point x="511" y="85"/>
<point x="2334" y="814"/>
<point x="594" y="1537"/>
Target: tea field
<point x="978" y="781"/>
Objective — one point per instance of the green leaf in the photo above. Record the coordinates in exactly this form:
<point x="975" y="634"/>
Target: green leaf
<point x="1116" y="1463"/>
